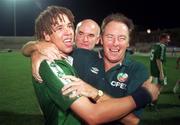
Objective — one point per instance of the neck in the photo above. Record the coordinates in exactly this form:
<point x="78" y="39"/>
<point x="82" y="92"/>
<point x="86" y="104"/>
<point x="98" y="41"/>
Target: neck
<point x="63" y="55"/>
<point x="109" y="64"/>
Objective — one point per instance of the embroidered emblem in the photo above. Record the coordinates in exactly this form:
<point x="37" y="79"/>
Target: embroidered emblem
<point x="122" y="77"/>
<point x="94" y="70"/>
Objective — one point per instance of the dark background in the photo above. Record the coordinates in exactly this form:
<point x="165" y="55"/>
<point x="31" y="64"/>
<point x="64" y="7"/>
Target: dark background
<point x="153" y="14"/>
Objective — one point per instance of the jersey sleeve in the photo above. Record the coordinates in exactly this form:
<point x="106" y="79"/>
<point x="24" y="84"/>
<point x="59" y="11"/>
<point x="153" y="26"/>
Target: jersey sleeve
<point x="54" y="84"/>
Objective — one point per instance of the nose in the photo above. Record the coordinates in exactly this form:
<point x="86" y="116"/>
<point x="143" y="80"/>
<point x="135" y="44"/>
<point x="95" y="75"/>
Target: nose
<point x="85" y="38"/>
<point x="67" y="30"/>
<point x="116" y="41"/>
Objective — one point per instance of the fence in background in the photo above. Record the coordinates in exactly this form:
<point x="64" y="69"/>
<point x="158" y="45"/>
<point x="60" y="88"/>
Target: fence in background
<point x="13" y="43"/>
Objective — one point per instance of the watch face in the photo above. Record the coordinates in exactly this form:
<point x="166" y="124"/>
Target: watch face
<point x="100" y="93"/>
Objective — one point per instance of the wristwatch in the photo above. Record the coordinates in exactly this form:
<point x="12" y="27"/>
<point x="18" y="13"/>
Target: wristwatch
<point x="99" y="94"/>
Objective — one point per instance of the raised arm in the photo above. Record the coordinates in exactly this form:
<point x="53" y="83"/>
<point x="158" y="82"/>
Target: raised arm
<point x="45" y="48"/>
<point x="38" y="51"/>
<point x="29" y="48"/>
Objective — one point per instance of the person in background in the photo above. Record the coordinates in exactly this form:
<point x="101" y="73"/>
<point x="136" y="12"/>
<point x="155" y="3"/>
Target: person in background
<point x="158" y="60"/>
<point x="87" y="34"/>
<point x="173" y="51"/>
<point x="176" y="87"/>
<point x="177" y="62"/>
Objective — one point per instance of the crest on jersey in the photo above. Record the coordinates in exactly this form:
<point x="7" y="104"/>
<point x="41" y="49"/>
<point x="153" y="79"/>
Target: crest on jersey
<point x="122" y="77"/>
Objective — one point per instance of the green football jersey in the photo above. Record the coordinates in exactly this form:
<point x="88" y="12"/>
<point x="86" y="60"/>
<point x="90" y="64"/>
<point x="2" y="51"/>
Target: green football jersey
<point x="55" y="106"/>
<point x="158" y="51"/>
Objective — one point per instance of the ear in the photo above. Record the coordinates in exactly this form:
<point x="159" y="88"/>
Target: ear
<point x="128" y="44"/>
<point x="98" y="40"/>
<point x="47" y="37"/>
<point x="101" y="40"/>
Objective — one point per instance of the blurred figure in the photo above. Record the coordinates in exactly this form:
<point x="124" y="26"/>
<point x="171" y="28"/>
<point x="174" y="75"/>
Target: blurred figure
<point x="177" y="63"/>
<point x="87" y="34"/>
<point x="158" y="60"/>
<point x="176" y="87"/>
<point x="173" y="51"/>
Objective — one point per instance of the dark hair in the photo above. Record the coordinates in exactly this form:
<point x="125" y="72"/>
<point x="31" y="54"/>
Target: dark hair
<point x="118" y="17"/>
<point x="163" y="36"/>
<point x="48" y="17"/>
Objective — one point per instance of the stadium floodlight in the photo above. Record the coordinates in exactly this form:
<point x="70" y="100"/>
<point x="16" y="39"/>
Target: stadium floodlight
<point x="14" y="13"/>
<point x="148" y="31"/>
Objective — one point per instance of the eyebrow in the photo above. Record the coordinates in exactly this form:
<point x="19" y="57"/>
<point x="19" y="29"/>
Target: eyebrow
<point x="80" y="31"/>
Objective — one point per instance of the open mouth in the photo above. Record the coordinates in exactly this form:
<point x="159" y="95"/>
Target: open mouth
<point x="114" y="50"/>
<point x="68" y="42"/>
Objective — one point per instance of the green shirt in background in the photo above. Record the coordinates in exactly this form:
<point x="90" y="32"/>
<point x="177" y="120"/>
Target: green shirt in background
<point x="158" y="51"/>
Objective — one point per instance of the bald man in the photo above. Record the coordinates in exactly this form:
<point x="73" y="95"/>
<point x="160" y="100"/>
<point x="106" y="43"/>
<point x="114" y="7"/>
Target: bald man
<point x="87" y="34"/>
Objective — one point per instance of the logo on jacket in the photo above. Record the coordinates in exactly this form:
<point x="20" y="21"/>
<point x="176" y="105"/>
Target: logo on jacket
<point x="94" y="70"/>
<point x="122" y="77"/>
